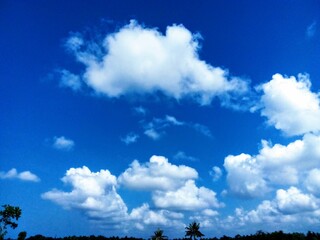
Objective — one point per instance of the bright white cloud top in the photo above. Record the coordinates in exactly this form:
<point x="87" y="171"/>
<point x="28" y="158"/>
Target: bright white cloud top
<point x="172" y="188"/>
<point x="140" y="60"/>
<point x="93" y="193"/>
<point x="285" y="97"/>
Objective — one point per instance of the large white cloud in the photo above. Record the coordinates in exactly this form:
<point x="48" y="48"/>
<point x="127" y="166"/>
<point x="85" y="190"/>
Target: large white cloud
<point x="142" y="60"/>
<point x="244" y="176"/>
<point x="172" y="189"/>
<point x="290" y="207"/>
<point x="24" y="176"/>
<point x="294" y="201"/>
<point x="144" y="216"/>
<point x="277" y="164"/>
<point x="157" y="174"/>
<point x="290" y="105"/>
<point x="171" y="186"/>
<point x="188" y="197"/>
<point x="312" y="181"/>
<point x="94" y="193"/>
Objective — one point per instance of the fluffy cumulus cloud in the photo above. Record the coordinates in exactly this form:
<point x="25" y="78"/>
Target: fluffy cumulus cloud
<point x="275" y="165"/>
<point x="157" y="174"/>
<point x="24" y="176"/>
<point x="284" y="97"/>
<point x="244" y="176"/>
<point x="172" y="188"/>
<point x="143" y="216"/>
<point x="294" y="201"/>
<point x="188" y="197"/>
<point x="312" y="182"/>
<point x="63" y="143"/>
<point x="94" y="193"/>
<point x="290" y="207"/>
<point x="140" y="60"/>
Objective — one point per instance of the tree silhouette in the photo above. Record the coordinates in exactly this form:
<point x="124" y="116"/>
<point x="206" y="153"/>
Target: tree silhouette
<point x="22" y="235"/>
<point x="7" y="217"/>
<point x="158" y="235"/>
<point x="193" y="231"/>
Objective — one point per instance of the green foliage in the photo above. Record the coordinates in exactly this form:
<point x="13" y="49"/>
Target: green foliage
<point x="193" y="231"/>
<point x="158" y="235"/>
<point x="8" y="217"/>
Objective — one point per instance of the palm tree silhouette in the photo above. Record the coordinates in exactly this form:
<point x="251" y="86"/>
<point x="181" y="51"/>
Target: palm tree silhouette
<point x="193" y="231"/>
<point x="158" y="235"/>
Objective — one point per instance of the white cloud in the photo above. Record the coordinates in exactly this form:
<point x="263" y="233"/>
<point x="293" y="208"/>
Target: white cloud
<point x="157" y="174"/>
<point x="290" y="208"/>
<point x="216" y="173"/>
<point x="130" y="138"/>
<point x="244" y="176"/>
<point x="62" y="143"/>
<point x="209" y="213"/>
<point x="93" y="193"/>
<point x="312" y="181"/>
<point x="285" y="97"/>
<point x="140" y="60"/>
<point x="172" y="188"/>
<point x="24" y="176"/>
<point x="188" y="197"/>
<point x="147" y="216"/>
<point x="275" y="165"/>
<point x="293" y="201"/>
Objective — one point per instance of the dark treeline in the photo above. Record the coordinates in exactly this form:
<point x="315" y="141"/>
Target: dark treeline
<point x="260" y="235"/>
<point x="92" y="237"/>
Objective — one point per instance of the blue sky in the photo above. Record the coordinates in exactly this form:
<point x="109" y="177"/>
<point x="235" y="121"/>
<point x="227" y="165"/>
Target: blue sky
<point x="119" y="117"/>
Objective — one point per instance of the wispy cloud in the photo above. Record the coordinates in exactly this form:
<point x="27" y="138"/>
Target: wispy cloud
<point x="140" y="110"/>
<point x="130" y="138"/>
<point x="201" y="129"/>
<point x="24" y="176"/>
<point x="311" y="30"/>
<point x="215" y="173"/>
<point x="152" y="133"/>
<point x="156" y="128"/>
<point x="70" y="80"/>
<point x="183" y="156"/>
<point x="63" y="143"/>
